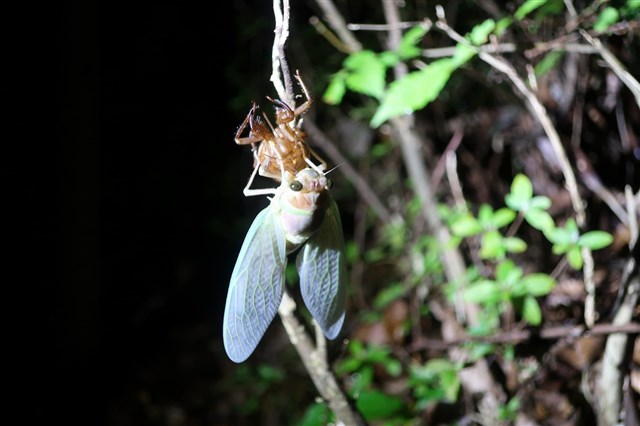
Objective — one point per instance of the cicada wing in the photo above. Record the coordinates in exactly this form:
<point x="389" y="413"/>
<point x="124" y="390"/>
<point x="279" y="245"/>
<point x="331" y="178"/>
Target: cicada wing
<point x="256" y="287"/>
<point x="322" y="270"/>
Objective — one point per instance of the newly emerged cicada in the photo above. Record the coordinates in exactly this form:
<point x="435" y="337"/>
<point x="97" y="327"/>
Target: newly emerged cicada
<point x="302" y="216"/>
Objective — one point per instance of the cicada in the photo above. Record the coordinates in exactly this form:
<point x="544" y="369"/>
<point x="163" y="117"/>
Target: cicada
<point x="301" y="216"/>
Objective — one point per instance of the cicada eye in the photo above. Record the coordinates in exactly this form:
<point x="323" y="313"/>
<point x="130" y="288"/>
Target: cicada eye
<point x="295" y="186"/>
<point x="329" y="183"/>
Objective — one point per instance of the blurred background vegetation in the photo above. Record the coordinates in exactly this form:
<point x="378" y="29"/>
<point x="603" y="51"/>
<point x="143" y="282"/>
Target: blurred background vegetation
<point x="138" y="214"/>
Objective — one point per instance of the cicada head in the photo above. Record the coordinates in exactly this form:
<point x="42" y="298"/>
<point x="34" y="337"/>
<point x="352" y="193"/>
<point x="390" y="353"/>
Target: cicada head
<point x="302" y="204"/>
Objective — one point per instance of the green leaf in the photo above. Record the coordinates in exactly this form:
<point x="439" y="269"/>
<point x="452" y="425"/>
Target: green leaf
<point x="503" y="217"/>
<point x="413" y="91"/>
<point x="539" y="219"/>
<point x="348" y="365"/>
<point x="507" y="271"/>
<point x="336" y="90"/>
<point x="268" y="373"/>
<point x="407" y="48"/>
<point x="574" y="257"/>
<point x="491" y="246"/>
<point x="540" y="202"/>
<point x="485" y="213"/>
<point x="466" y="226"/>
<point x="531" y="312"/>
<point x="527" y="7"/>
<point x="462" y="55"/>
<point x="378" y="405"/>
<point x="537" y="284"/>
<point x="388" y="59"/>
<point x="558" y="236"/>
<point x="607" y="17"/>
<point x="318" y="414"/>
<point x="522" y="191"/>
<point x="514" y="245"/>
<point x="485" y="291"/>
<point x="393" y="367"/>
<point x="502" y="25"/>
<point x="366" y="73"/>
<point x="595" y="240"/>
<point x="480" y="33"/>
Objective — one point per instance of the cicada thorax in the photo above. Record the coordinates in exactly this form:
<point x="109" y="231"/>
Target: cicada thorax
<point x="301" y="206"/>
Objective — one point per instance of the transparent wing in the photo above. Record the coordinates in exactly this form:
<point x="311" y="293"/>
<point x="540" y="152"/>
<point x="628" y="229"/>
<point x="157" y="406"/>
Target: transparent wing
<point x="321" y="266"/>
<point x="256" y="288"/>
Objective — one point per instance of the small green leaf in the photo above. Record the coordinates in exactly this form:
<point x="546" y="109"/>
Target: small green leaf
<point x="366" y="73"/>
<point x="374" y="405"/>
<point x="595" y="240"/>
<point x="318" y="414"/>
<point x="485" y="291"/>
<point x="407" y="48"/>
<point x="561" y="248"/>
<point x="502" y="25"/>
<point x="491" y="246"/>
<point x="393" y="367"/>
<point x="480" y="33"/>
<point x="527" y="7"/>
<point x="514" y="245"/>
<point x="607" y="17"/>
<point x="485" y="213"/>
<point x="462" y="55"/>
<point x="540" y="202"/>
<point x="531" y="312"/>
<point x="539" y="219"/>
<point x="336" y="90"/>
<point x="508" y="271"/>
<point x="558" y="236"/>
<point x="574" y="257"/>
<point x="413" y="91"/>
<point x="466" y="226"/>
<point x="537" y="284"/>
<point x="503" y="217"/>
<point x="522" y="190"/>
<point x="388" y="59"/>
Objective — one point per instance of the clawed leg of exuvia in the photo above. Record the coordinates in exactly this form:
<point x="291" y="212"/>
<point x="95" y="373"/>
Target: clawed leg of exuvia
<point x="307" y="104"/>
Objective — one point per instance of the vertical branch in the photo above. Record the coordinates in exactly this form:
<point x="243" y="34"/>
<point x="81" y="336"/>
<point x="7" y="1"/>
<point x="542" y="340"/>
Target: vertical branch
<point x="314" y="357"/>
<point x="278" y="58"/>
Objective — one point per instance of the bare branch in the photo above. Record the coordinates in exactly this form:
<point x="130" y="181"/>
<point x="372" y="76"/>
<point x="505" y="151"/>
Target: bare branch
<point x="314" y="359"/>
<point x="335" y="20"/>
<point x="615" y="65"/>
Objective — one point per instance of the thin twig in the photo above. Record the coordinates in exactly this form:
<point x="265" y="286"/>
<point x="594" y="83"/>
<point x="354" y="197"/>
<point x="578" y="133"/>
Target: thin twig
<point x="383" y="27"/>
<point x="337" y="23"/>
<point x="524" y="335"/>
<point x="615" y="65"/>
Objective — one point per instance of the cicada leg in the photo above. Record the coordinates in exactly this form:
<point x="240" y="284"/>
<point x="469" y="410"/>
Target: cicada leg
<point x="318" y="168"/>
<point x="248" y="192"/>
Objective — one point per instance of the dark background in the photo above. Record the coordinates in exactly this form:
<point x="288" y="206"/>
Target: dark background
<point x="129" y="197"/>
